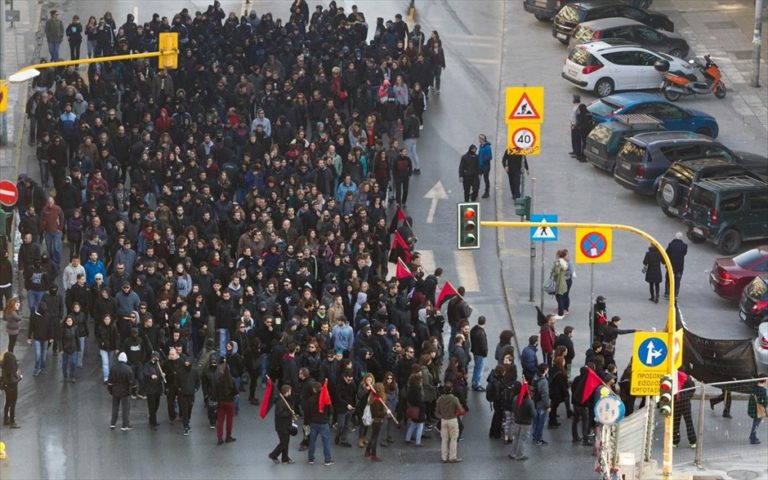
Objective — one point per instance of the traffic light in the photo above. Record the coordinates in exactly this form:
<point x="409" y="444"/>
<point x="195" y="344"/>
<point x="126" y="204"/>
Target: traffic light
<point x="168" y="42"/>
<point x="469" y="225"/>
<point x="523" y="207"/>
<point x="665" y="399"/>
<point x="3" y="95"/>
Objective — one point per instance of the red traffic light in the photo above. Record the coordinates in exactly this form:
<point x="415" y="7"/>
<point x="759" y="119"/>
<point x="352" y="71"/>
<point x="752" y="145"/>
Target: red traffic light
<point x="469" y="213"/>
<point x="666" y="386"/>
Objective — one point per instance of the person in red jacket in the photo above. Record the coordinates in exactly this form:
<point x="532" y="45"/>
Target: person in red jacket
<point x="547" y="339"/>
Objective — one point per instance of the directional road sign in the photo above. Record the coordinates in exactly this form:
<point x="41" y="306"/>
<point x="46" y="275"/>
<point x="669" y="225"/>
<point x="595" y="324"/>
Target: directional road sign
<point x="544" y="233"/>
<point x="649" y="363"/>
<point x="524" y="104"/>
<point x="9" y="194"/>
<point x="593" y="245"/>
<point x="609" y="409"/>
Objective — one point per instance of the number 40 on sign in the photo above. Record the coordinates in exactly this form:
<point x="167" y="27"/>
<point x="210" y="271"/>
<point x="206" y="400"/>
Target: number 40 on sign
<point x="524" y="139"/>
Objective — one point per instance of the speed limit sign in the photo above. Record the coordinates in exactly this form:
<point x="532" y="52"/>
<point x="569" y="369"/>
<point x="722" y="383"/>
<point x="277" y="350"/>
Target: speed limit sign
<point x="524" y="140"/>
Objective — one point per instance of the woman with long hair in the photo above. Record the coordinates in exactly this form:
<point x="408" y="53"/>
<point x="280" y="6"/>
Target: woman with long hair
<point x="391" y="399"/>
<point x="12" y="321"/>
<point x="376" y="397"/>
<point x="416" y="410"/>
<point x="10" y="378"/>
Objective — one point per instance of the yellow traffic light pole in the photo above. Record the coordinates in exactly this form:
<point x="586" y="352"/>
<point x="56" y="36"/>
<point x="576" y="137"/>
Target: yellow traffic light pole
<point x="666" y="469"/>
<point x="167" y="54"/>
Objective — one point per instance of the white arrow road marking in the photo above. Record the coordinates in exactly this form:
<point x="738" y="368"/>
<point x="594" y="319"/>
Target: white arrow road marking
<point x="436" y="193"/>
<point x="465" y="267"/>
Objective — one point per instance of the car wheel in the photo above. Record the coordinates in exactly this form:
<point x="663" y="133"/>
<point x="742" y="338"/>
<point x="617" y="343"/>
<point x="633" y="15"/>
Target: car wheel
<point x="720" y="91"/>
<point x="541" y="18"/>
<point x="729" y="242"/>
<point x="704" y="131"/>
<point x="695" y="238"/>
<point x="604" y="87"/>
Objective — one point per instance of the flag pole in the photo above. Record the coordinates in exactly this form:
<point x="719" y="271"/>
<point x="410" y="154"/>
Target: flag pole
<point x="389" y="412"/>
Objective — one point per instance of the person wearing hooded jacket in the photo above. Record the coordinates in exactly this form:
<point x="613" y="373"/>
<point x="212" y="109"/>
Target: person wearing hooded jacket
<point x="469" y="174"/>
<point x="186" y="385"/>
<point x="40" y="333"/>
<point x="119" y="384"/>
<point x="580" y="409"/>
<point x="154" y="382"/>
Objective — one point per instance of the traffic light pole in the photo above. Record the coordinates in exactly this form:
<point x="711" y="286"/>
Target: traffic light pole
<point x="666" y="470"/>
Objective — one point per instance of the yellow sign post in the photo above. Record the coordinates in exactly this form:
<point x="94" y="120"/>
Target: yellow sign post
<point x="649" y="363"/>
<point x="3" y="95"/>
<point x="593" y="245"/>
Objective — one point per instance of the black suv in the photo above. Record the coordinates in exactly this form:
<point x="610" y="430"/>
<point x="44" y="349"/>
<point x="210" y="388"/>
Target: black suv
<point x="675" y="185"/>
<point x="727" y="209"/>
<point x="573" y="14"/>
<point x="605" y="140"/>
<point x="643" y="158"/>
<point x="544" y="10"/>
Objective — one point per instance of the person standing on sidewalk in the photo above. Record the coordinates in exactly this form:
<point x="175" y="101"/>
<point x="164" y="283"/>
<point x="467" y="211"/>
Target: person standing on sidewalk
<point x="52" y="223"/>
<point x="513" y="164"/>
<point x="485" y="158"/>
<point x="10" y="376"/>
<point x="541" y="399"/>
<point x="74" y="34"/>
<point x="575" y="139"/>
<point x="478" y="341"/>
<point x="676" y="250"/>
<point x="411" y="133"/>
<point x="447" y="409"/>
<point x="119" y="384"/>
<point x="758" y="396"/>
<point x="54" y="34"/>
<point x="469" y="174"/>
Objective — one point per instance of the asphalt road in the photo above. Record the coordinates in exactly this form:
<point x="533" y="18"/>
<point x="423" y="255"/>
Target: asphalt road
<point x="489" y="44"/>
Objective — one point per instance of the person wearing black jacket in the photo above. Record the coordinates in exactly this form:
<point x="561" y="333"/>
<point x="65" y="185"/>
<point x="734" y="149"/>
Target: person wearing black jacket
<point x="283" y="424"/>
<point x="610" y="334"/>
<point x="40" y="333"/>
<point x="676" y="250"/>
<point x="525" y="411"/>
<point x="317" y="420"/>
<point x="119" y="384"/>
<point x="513" y="164"/>
<point x="187" y="384"/>
<point x="207" y="380"/>
<point x="652" y="268"/>
<point x="580" y="410"/>
<point x="154" y="380"/>
<point x="10" y="376"/>
<point x="135" y="349"/>
<point x="478" y="342"/>
<point x="344" y="400"/>
<point x="224" y="392"/>
<point x="565" y="339"/>
<point x="469" y="174"/>
<point x="69" y="346"/>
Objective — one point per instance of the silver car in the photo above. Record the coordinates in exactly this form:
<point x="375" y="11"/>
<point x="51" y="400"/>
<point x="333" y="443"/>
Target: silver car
<point x="761" y="349"/>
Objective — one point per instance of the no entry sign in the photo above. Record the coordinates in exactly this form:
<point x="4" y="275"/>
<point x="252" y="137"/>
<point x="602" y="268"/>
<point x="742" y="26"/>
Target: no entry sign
<point x="593" y="245"/>
<point x="9" y="194"/>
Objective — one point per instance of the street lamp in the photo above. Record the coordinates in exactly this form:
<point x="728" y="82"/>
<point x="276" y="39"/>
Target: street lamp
<point x="23" y="75"/>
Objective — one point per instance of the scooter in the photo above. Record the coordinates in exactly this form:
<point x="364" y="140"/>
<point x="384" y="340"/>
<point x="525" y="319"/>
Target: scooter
<point x="704" y="79"/>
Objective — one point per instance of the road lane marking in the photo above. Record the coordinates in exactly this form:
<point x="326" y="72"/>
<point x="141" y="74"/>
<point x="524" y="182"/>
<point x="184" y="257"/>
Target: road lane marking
<point x="465" y="267"/>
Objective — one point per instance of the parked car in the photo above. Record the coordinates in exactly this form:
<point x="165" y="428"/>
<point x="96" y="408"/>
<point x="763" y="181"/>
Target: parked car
<point x="605" y="67"/>
<point x="631" y="30"/>
<point x="753" y="307"/>
<point x="728" y="209"/>
<point x="644" y="157"/>
<point x="606" y="139"/>
<point x="544" y="10"/>
<point x="730" y="275"/>
<point x="760" y="345"/>
<point x="673" y="116"/>
<point x="572" y="14"/>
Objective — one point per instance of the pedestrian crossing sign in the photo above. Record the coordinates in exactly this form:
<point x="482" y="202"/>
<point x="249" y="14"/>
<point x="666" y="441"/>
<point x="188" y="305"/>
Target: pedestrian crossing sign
<point x="544" y="233"/>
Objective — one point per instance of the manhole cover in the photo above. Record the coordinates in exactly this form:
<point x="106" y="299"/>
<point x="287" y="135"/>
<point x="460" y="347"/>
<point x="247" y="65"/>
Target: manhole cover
<point x="743" y="474"/>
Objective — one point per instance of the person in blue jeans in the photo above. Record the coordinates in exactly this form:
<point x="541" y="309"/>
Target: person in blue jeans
<point x="317" y="418"/>
<point x="40" y="333"/>
<point x="415" y="399"/>
<point x="541" y="399"/>
<point x="478" y="341"/>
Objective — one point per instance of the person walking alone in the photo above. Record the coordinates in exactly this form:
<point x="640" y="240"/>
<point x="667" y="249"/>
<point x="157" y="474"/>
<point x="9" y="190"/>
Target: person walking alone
<point x="513" y="164"/>
<point x="402" y="171"/>
<point x="448" y="409"/>
<point x="757" y="397"/>
<point x="10" y="376"/>
<point x="652" y="270"/>
<point x="469" y="174"/>
<point x="575" y="140"/>
<point x="119" y="384"/>
<point x="54" y="34"/>
<point x="485" y="158"/>
<point x="676" y="251"/>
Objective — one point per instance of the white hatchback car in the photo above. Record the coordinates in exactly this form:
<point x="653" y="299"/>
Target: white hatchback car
<point x="606" y="68"/>
<point x="760" y="346"/>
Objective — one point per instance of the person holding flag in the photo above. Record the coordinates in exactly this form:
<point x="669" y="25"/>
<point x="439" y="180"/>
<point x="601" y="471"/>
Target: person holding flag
<point x="316" y="407"/>
<point x="525" y="412"/>
<point x="379" y="413"/>
<point x="283" y="422"/>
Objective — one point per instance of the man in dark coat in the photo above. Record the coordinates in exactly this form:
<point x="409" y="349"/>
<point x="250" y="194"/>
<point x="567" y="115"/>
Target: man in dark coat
<point x="469" y="174"/>
<point x="120" y="382"/>
<point x="478" y="342"/>
<point x="676" y="250"/>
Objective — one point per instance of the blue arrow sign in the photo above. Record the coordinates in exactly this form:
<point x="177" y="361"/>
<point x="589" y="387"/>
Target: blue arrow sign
<point x="544" y="233"/>
<point x="652" y="352"/>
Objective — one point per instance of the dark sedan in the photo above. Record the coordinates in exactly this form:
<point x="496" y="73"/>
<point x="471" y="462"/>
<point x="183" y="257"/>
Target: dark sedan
<point x="753" y="308"/>
<point x="630" y="30"/>
<point x="730" y="275"/>
<point x="573" y="14"/>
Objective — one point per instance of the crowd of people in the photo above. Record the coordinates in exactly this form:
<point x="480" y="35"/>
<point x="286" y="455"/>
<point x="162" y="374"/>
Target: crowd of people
<point x="230" y="223"/>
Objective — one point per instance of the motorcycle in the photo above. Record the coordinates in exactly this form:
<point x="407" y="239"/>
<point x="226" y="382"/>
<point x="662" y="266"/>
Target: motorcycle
<point x="704" y="78"/>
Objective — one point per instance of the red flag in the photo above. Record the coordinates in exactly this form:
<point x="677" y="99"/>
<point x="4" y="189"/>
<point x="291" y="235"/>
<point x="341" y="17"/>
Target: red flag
<point x="402" y="271"/>
<point x="266" y="402"/>
<point x="400" y="215"/>
<point x="590" y="385"/>
<point x="522" y="394"/>
<point x="324" y="399"/>
<point x="445" y="293"/>
<point x="400" y="245"/>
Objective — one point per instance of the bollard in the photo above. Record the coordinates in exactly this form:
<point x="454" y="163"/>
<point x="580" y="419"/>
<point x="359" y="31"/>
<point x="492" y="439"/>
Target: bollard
<point x="700" y="428"/>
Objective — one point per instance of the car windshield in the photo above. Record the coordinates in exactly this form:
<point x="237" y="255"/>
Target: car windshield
<point x="747" y="257"/>
<point x="757" y="288"/>
<point x="703" y="197"/>
<point x="603" y="107"/>
<point x="632" y="152"/>
<point x="580" y="56"/>
<point x="601" y="134"/>
<point x="583" y="34"/>
<point x="569" y="14"/>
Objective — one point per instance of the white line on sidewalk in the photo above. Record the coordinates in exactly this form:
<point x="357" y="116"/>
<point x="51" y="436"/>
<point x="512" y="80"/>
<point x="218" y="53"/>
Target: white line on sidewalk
<point x="465" y="267"/>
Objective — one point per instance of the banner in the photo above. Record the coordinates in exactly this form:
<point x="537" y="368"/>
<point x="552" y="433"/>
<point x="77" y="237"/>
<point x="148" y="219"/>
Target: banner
<point x="711" y="361"/>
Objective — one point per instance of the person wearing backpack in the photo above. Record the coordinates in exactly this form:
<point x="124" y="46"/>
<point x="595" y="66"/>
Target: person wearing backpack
<point x="403" y="169"/>
<point x="541" y="399"/>
<point x="494" y="397"/>
<point x="510" y="388"/>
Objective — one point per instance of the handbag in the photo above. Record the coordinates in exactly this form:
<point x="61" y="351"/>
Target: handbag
<point x="759" y="409"/>
<point x="549" y="286"/>
<point x="412" y="413"/>
<point x="367" y="416"/>
<point x="293" y="430"/>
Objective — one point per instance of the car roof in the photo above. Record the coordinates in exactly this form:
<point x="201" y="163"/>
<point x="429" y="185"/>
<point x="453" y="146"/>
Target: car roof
<point x="589" y="4"/>
<point x="631" y="98"/>
<point x="610" y="22"/>
<point x="649" y="138"/>
<point x="609" y="45"/>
